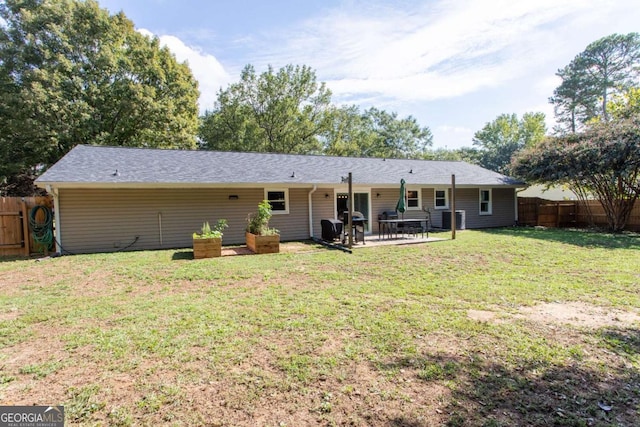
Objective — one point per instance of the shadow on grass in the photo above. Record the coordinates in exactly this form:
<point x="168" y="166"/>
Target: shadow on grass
<point x="12" y="258"/>
<point x="622" y="341"/>
<point x="182" y="255"/>
<point x="486" y="393"/>
<point x="571" y="236"/>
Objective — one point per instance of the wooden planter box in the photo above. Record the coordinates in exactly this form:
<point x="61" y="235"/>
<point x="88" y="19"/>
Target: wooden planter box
<point x="207" y="248"/>
<point x="263" y="244"/>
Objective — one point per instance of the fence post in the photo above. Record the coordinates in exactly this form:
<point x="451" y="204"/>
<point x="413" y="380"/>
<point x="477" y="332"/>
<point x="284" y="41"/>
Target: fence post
<point x="25" y="229"/>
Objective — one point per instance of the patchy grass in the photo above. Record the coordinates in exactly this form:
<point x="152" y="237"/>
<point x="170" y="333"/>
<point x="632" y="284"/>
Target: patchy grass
<point x="446" y="333"/>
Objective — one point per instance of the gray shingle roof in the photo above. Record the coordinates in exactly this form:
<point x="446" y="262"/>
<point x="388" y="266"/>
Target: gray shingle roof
<point x="97" y="165"/>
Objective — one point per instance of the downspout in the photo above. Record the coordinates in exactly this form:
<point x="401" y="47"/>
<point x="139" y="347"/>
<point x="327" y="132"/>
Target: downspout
<point x="515" y="193"/>
<point x="313" y="190"/>
<point x="160" y="226"/>
<point x="56" y="218"/>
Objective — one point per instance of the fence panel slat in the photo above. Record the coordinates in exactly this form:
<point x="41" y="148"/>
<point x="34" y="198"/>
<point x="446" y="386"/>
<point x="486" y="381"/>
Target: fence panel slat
<point x="568" y="213"/>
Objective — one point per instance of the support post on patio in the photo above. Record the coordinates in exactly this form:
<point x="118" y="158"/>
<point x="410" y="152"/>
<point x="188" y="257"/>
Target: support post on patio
<point x="351" y="207"/>
<point x="453" y="207"/>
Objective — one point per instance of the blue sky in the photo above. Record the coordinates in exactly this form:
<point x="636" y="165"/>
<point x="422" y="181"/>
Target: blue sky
<point x="454" y="65"/>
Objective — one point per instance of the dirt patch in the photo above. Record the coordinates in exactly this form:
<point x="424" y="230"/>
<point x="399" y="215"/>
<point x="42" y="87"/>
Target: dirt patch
<point x="572" y="313"/>
<point x="579" y="314"/>
<point x="9" y="315"/>
<point x="483" y="316"/>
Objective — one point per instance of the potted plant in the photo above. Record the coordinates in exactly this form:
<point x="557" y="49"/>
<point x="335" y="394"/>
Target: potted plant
<point x="260" y="238"/>
<point x="208" y="242"/>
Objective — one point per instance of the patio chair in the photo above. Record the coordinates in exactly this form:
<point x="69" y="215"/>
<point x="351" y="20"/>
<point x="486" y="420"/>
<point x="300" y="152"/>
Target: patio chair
<point x="388" y="228"/>
<point x="415" y="227"/>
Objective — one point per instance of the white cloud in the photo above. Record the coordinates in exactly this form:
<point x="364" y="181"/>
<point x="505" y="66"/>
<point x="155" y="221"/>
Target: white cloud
<point x="207" y="70"/>
<point x="373" y="53"/>
<point x="452" y="137"/>
<point x="432" y="51"/>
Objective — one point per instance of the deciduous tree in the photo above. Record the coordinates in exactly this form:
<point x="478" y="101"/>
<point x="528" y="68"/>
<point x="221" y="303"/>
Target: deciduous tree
<point x="279" y="112"/>
<point x="603" y="161"/>
<point x="625" y="105"/>
<point x="376" y="133"/>
<point x="500" y="139"/>
<point x="71" y="73"/>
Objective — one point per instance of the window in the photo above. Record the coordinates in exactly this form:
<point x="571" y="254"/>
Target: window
<point x="441" y="199"/>
<point x="279" y="201"/>
<point x="485" y="202"/>
<point x="413" y="199"/>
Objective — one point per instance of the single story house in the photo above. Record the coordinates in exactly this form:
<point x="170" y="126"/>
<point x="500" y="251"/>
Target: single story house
<point x="111" y="198"/>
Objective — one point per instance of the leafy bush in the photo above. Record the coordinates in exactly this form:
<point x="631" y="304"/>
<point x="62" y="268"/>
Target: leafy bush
<point x="258" y="223"/>
<point x="206" y="232"/>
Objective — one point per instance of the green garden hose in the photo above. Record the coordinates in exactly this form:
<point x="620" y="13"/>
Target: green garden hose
<point x="42" y="231"/>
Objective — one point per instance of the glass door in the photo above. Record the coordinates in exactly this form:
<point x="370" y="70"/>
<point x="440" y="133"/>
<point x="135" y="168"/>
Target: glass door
<point x="360" y="204"/>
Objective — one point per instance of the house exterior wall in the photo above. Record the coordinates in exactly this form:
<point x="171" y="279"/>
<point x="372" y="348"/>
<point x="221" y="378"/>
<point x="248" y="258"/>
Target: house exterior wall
<point x="105" y="220"/>
<point x="503" y="207"/>
<point x="468" y="200"/>
<point x="322" y="208"/>
<point x="295" y="224"/>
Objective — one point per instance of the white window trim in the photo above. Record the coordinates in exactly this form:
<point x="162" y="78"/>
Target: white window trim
<point x="490" y="202"/>
<point x="414" y="208"/>
<point x="446" y="198"/>
<point x="286" y="199"/>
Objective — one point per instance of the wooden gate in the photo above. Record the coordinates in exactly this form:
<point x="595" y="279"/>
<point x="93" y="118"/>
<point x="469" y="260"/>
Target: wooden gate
<point x="15" y="235"/>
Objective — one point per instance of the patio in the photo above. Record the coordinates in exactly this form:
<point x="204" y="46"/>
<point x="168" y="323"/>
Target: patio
<point x="374" y="241"/>
<point x="371" y="241"/>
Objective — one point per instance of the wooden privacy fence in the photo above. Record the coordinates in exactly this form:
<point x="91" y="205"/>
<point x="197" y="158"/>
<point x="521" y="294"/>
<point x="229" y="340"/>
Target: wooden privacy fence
<point x="534" y="211"/>
<point x="16" y="237"/>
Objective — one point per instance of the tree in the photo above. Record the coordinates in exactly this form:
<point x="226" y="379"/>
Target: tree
<point x="625" y="105"/>
<point x="603" y="161"/>
<point x="71" y="73"/>
<point x="500" y="139"/>
<point x="396" y="138"/>
<point x="280" y="112"/>
<point x="608" y="65"/>
<point x="375" y="133"/>
<point x="574" y="101"/>
<point x="350" y="133"/>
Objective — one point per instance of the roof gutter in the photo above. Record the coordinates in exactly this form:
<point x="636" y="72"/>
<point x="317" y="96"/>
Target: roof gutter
<point x="313" y="190"/>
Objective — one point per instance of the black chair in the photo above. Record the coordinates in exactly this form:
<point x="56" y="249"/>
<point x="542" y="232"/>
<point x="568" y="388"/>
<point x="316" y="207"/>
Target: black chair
<point x="415" y="227"/>
<point x="388" y="228"/>
<point x="331" y="229"/>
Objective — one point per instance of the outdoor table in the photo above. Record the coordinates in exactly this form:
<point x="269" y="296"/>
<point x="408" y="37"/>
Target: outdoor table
<point x="388" y="226"/>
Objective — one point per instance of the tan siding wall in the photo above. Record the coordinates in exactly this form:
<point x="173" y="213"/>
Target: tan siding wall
<point x="386" y="202"/>
<point x="322" y="208"/>
<point x="294" y="225"/>
<point x="503" y="209"/>
<point x="467" y="199"/>
<point x="105" y="220"/>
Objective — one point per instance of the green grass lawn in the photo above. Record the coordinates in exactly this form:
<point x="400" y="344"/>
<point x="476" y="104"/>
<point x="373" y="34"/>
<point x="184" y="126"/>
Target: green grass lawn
<point x="446" y="333"/>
